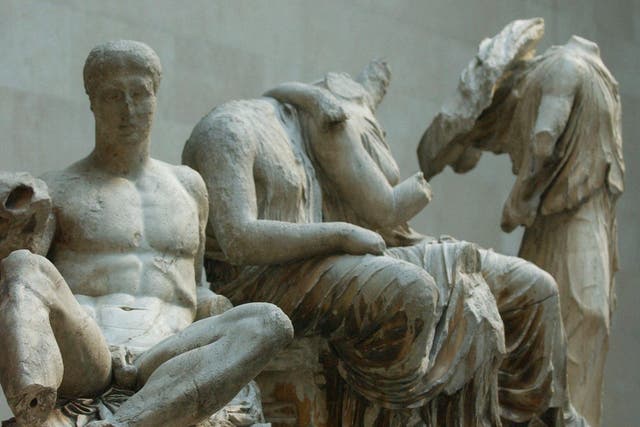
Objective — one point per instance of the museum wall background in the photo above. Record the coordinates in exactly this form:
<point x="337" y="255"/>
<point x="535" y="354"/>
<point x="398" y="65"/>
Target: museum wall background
<point x="214" y="51"/>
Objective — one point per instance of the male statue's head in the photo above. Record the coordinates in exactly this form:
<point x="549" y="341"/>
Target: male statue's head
<point x="122" y="78"/>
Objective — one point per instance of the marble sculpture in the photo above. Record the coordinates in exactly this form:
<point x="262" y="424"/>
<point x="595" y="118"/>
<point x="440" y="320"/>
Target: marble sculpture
<point x="115" y="324"/>
<point x="557" y="115"/>
<point x="299" y="217"/>
<point x="427" y="331"/>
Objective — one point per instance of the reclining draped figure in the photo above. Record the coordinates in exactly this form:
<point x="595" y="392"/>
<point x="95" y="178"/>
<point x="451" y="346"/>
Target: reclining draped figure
<point x="115" y="302"/>
<point x="427" y="332"/>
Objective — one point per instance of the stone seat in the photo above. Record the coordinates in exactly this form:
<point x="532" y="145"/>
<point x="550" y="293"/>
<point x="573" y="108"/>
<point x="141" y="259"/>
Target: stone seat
<point x="298" y="383"/>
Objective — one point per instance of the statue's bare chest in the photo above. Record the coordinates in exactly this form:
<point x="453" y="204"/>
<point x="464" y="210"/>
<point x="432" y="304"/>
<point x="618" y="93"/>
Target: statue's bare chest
<point x="153" y="213"/>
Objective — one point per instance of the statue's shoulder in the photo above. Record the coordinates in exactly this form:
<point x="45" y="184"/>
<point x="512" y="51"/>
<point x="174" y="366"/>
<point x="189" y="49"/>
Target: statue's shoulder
<point x="234" y="123"/>
<point x="185" y="176"/>
<point x="564" y="66"/>
<point x="64" y="180"/>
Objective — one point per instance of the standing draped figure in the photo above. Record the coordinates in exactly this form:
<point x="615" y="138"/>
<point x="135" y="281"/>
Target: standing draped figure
<point x="557" y="115"/>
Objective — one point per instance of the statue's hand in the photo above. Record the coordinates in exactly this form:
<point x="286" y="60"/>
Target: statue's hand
<point x="517" y="212"/>
<point x="210" y="303"/>
<point x="125" y="372"/>
<point x="327" y="110"/>
<point x="359" y="241"/>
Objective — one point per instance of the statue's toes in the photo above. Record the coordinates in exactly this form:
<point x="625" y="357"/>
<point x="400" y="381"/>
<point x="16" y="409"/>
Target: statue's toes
<point x="103" y="423"/>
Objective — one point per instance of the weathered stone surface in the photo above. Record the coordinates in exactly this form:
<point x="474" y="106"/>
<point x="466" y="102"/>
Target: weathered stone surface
<point x="297" y="186"/>
<point x="296" y="385"/>
<point x="496" y="57"/>
<point x="26" y="217"/>
<point x="558" y="116"/>
<point x="106" y="326"/>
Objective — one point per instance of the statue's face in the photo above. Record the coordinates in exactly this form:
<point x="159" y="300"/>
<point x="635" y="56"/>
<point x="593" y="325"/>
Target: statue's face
<point x="123" y="106"/>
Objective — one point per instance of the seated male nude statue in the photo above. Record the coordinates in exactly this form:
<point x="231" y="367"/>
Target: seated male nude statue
<point x="291" y="224"/>
<point x="124" y="272"/>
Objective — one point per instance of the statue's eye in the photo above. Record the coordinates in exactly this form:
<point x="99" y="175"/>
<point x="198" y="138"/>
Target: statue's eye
<point x="140" y="92"/>
<point x="112" y="95"/>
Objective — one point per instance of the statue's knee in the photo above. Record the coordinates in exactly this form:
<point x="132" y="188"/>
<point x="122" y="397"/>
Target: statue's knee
<point x="545" y="285"/>
<point x="266" y="323"/>
<point x="24" y="269"/>
<point x="17" y="260"/>
<point x="276" y="324"/>
<point x="419" y="291"/>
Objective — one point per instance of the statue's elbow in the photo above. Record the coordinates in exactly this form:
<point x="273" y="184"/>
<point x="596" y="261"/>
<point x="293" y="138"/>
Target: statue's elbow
<point x="381" y="217"/>
<point x="239" y="251"/>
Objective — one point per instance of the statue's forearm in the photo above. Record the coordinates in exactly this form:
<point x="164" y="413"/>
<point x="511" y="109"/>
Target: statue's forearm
<point x="272" y="242"/>
<point x="317" y="102"/>
<point x="262" y="242"/>
<point x="301" y="95"/>
<point x="536" y="173"/>
<point x="553" y="114"/>
<point x="210" y="303"/>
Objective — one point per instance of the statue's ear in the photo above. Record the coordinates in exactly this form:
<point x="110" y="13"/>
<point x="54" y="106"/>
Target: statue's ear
<point x="375" y="78"/>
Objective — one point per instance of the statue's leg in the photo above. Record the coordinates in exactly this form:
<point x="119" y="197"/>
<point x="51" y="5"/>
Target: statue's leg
<point x="470" y="333"/>
<point x="378" y="313"/>
<point x="49" y="344"/>
<point x="188" y="376"/>
<point x="401" y="338"/>
<point x="533" y="374"/>
<point x="578" y="249"/>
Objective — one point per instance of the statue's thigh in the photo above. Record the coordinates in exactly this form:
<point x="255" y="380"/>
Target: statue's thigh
<point x="35" y="292"/>
<point x="254" y="329"/>
<point x="361" y="291"/>
<point x="515" y="282"/>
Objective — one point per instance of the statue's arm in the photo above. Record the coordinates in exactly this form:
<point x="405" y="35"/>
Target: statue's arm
<point x="246" y="240"/>
<point x="319" y="103"/>
<point x="208" y="302"/>
<point x="354" y="174"/>
<point x="202" y="200"/>
<point x="536" y="172"/>
<point x="360" y="182"/>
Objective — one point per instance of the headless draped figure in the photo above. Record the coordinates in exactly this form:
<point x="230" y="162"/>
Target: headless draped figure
<point x="558" y="116"/>
<point x="250" y="153"/>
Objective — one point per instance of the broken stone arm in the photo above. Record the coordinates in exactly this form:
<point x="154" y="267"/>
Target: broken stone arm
<point x="350" y="168"/>
<point x="208" y="303"/>
<point x="536" y="172"/>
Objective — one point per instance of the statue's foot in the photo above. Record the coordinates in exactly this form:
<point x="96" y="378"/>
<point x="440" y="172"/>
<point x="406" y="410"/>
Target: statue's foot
<point x="104" y="423"/>
<point x="34" y="404"/>
<point x="573" y="419"/>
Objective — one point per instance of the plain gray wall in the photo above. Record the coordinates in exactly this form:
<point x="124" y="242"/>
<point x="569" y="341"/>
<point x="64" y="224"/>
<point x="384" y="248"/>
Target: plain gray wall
<point x="215" y="51"/>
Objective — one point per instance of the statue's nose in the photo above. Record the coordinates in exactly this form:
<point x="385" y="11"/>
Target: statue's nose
<point x="127" y="108"/>
<point x="129" y="103"/>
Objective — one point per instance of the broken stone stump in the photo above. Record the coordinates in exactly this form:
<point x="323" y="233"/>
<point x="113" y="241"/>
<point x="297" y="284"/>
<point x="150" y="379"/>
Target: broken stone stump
<point x="297" y="386"/>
